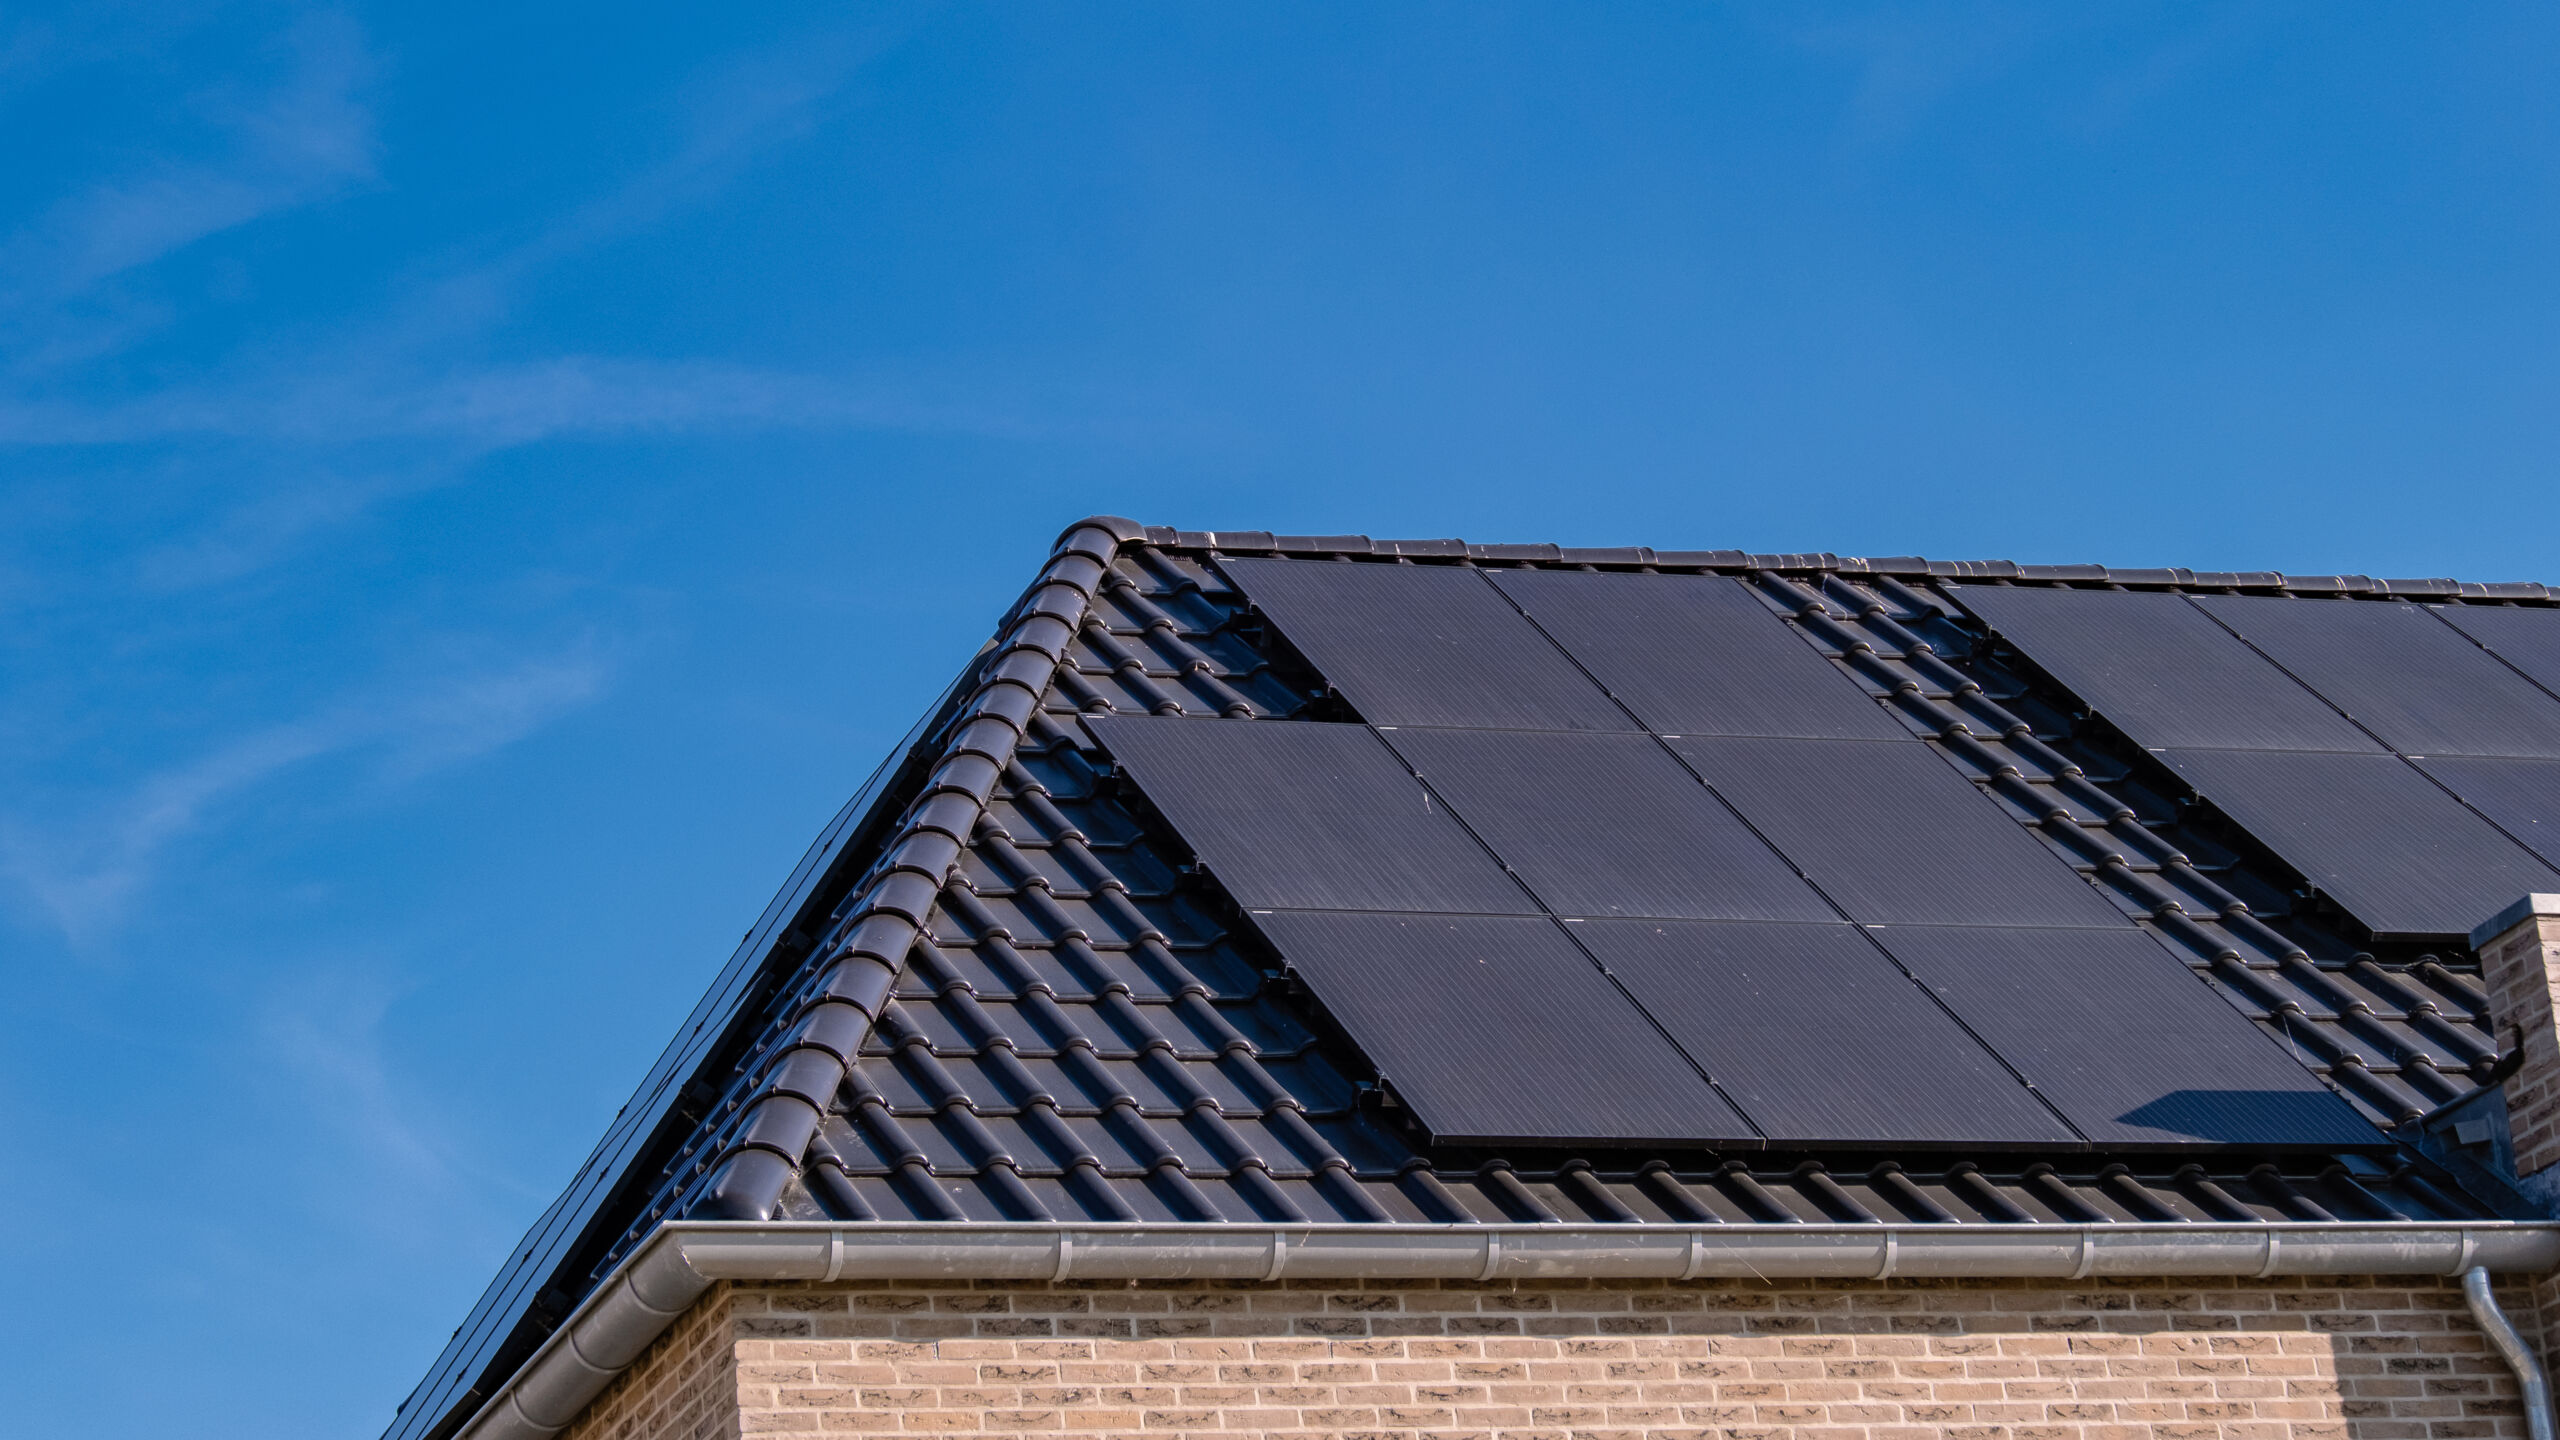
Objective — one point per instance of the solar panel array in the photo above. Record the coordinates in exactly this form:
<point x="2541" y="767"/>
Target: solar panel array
<point x="2377" y="746"/>
<point x="2527" y="639"/>
<point x="1624" y="858"/>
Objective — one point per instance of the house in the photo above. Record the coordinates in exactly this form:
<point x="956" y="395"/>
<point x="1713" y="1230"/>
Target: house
<point x="1316" y="986"/>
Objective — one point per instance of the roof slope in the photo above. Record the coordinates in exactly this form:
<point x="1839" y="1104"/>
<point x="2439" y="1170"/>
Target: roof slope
<point x="1000" y="988"/>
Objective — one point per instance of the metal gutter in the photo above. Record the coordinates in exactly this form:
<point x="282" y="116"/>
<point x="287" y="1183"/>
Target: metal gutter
<point x="684" y="1259"/>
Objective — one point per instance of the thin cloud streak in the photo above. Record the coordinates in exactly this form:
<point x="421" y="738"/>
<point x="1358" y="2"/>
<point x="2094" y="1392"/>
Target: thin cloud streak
<point x="307" y="139"/>
<point x="84" y="876"/>
<point x="396" y="379"/>
<point x="322" y="1036"/>
<point x="501" y="406"/>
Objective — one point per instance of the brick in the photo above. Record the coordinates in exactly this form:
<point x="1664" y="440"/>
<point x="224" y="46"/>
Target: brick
<point x="1980" y="1360"/>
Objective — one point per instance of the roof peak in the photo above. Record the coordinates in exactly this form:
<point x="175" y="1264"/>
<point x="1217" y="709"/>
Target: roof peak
<point x="1810" y="562"/>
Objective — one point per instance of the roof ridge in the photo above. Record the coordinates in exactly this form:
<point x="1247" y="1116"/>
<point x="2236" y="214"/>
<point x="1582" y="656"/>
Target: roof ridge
<point x="1264" y="541"/>
<point x="1013" y="670"/>
<point x="869" y="948"/>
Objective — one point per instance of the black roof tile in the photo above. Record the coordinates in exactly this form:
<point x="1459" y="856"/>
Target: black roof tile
<point x="999" y="987"/>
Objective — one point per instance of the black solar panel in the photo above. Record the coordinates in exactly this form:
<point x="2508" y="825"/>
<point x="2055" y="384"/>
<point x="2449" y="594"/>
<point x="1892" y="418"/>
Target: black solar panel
<point x="2527" y="638"/>
<point x="1499" y="1029"/>
<point x="1607" y="825"/>
<point x="2124" y="1038"/>
<point x="2521" y="797"/>
<point x="1308" y="815"/>
<point x="2161" y="670"/>
<point x="1424" y="645"/>
<point x="1697" y="655"/>
<point x="1818" y="1036"/>
<point x="1890" y="831"/>
<point x="2421" y="685"/>
<point x="2396" y="852"/>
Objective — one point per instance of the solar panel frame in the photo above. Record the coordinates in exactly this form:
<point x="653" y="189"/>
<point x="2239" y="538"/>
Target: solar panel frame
<point x="2520" y="796"/>
<point x="2423" y="686"/>
<point x="1817" y="1036"/>
<point x="1607" y="825"/>
<point x="2133" y="1047"/>
<point x="2435" y="871"/>
<point x="1838" y="809"/>
<point x="2160" y="670"/>
<point x="1298" y="813"/>
<point x="2524" y="636"/>
<point x="1697" y="655"/>
<point x="1496" y="1029"/>
<point x="1423" y="645"/>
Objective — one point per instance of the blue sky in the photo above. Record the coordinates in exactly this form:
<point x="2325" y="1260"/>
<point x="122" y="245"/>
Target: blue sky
<point x="478" y="488"/>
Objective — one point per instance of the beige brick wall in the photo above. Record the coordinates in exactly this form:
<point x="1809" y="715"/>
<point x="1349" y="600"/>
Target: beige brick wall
<point x="1897" y="1360"/>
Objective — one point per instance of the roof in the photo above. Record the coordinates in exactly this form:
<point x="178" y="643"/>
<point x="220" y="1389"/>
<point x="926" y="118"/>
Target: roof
<point x="1004" y="987"/>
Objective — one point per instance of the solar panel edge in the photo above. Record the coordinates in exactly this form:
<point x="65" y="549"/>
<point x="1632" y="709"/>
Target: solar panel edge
<point x="2481" y="623"/>
<point x="2218" y="775"/>
<point x="2004" y="1106"/>
<point x="1562" y="697"/>
<point x="1485" y="777"/>
<point x="2144" y="963"/>
<point x="2500" y="712"/>
<point x="1642" y="689"/>
<point x="1625" y="1044"/>
<point x="1468" y="878"/>
<point x="2304" y="718"/>
<point x="1730" y="766"/>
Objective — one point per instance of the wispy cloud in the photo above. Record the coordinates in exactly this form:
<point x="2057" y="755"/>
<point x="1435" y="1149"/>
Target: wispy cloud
<point x="268" y="525"/>
<point x="322" y="1035"/>
<point x="1909" y="60"/>
<point x="498" y="406"/>
<point x="84" y="872"/>
<point x="406" y="395"/>
<point x="302" y="140"/>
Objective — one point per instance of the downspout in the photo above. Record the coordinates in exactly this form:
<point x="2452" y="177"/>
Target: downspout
<point x="2511" y="1347"/>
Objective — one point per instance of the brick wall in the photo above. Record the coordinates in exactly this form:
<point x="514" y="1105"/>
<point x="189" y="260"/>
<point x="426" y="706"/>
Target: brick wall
<point x="2522" y="971"/>
<point x="2249" y="1360"/>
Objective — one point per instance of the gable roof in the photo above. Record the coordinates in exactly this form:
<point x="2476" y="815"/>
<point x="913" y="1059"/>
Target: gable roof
<point x="1001" y="988"/>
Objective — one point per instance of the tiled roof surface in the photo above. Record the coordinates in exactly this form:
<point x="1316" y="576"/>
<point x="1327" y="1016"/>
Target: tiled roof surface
<point x="1021" y="1002"/>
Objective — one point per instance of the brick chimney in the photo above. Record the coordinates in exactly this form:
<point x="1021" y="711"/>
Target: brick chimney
<point x="2520" y="964"/>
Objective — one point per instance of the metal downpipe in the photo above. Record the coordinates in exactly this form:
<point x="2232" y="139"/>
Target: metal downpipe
<point x="2510" y="1346"/>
